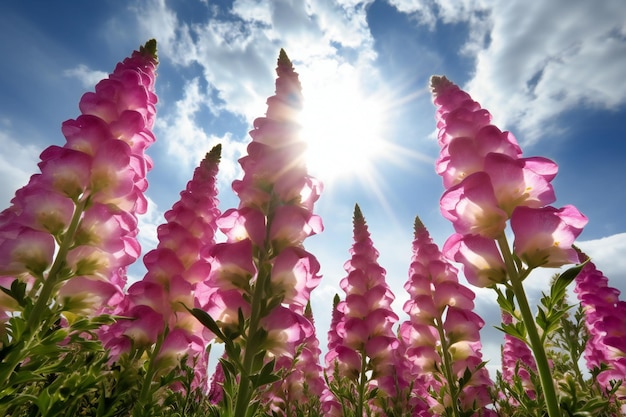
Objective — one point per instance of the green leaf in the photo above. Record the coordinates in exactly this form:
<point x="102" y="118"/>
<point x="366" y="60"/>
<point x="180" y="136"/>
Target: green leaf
<point x="562" y="282"/>
<point x="208" y="322"/>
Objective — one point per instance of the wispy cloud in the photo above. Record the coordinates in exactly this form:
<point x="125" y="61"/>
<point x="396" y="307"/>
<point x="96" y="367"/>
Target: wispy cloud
<point x="17" y="163"/>
<point x="188" y="142"/>
<point x="534" y="61"/>
<point x="87" y="77"/>
<point x="237" y="48"/>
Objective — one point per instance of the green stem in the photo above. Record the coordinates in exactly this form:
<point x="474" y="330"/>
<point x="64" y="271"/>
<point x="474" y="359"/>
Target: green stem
<point x="145" y="396"/>
<point x="536" y="345"/>
<point x="245" y="392"/>
<point x="59" y="262"/>
<point x="361" y="387"/>
<point x="447" y="368"/>
<point x="43" y="299"/>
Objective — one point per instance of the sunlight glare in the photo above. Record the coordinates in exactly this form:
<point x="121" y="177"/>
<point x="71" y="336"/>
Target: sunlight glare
<point x="343" y="129"/>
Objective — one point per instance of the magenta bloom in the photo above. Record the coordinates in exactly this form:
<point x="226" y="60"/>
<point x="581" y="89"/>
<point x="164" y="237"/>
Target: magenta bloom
<point x="482" y="262"/>
<point x="88" y="194"/>
<point x="157" y="303"/>
<point x="488" y="183"/>
<point x="472" y="207"/>
<point x="363" y="338"/>
<point x="262" y="273"/>
<point x="544" y="236"/>
<point x="605" y="319"/>
<point x="517" y="360"/>
<point x="274" y="216"/>
<point x="303" y="382"/>
<point x="441" y="323"/>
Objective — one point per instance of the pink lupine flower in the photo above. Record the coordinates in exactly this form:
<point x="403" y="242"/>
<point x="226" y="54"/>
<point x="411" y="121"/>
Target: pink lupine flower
<point x="472" y="207"/>
<point x="88" y="194"/>
<point x="365" y="321"/>
<point x="544" y="236"/>
<point x="303" y="382"/>
<point x="605" y="319"/>
<point x="497" y="183"/>
<point x="441" y="337"/>
<point x="482" y="262"/>
<point x="517" y="360"/>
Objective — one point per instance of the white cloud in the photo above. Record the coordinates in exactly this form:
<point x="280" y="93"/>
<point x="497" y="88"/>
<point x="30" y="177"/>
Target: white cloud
<point x="87" y="77"/>
<point x="188" y="142"/>
<point x="238" y="54"/>
<point x="548" y="57"/>
<point x="147" y="225"/>
<point x="17" y="163"/>
<point x="536" y="60"/>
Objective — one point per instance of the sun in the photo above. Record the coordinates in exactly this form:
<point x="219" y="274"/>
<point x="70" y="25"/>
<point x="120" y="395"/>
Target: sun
<point x="343" y="129"/>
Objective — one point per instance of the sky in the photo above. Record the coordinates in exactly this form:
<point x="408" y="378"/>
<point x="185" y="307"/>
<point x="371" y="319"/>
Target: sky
<point x="551" y="72"/>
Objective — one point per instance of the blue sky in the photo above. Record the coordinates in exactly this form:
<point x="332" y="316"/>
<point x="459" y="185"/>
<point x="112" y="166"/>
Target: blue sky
<point x="550" y="72"/>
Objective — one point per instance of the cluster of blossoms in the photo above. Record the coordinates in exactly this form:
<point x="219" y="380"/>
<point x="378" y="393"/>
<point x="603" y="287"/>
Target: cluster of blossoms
<point x="488" y="182"/>
<point x="362" y="346"/>
<point x="70" y="234"/>
<point x="262" y="273"/>
<point x="605" y="320"/>
<point x="442" y="335"/>
<point x="517" y="360"/>
<point x="155" y="306"/>
<point x="71" y="231"/>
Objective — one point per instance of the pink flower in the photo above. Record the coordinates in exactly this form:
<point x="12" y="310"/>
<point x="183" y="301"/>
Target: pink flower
<point x="172" y="281"/>
<point x="544" y="236"/>
<point x="364" y="338"/>
<point x="482" y="262"/>
<point x="80" y="211"/>
<point x="245" y="223"/>
<point x="144" y="328"/>
<point x="295" y="273"/>
<point x="23" y="249"/>
<point x="222" y="305"/>
<point x="82" y="295"/>
<point x="464" y="155"/>
<point x="232" y="265"/>
<point x="517" y="360"/>
<point x="605" y="319"/>
<point x="520" y="182"/>
<point x="441" y="320"/>
<point x="43" y="210"/>
<point x="472" y="207"/>
<point x="263" y="267"/>
<point x="286" y="330"/>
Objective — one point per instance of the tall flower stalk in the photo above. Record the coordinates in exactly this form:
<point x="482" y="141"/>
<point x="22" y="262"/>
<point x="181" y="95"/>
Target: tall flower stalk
<point x="442" y="334"/>
<point x="70" y="233"/>
<point x="605" y="320"/>
<point x="362" y="356"/>
<point x="488" y="185"/>
<point x="261" y="277"/>
<point x="156" y="318"/>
